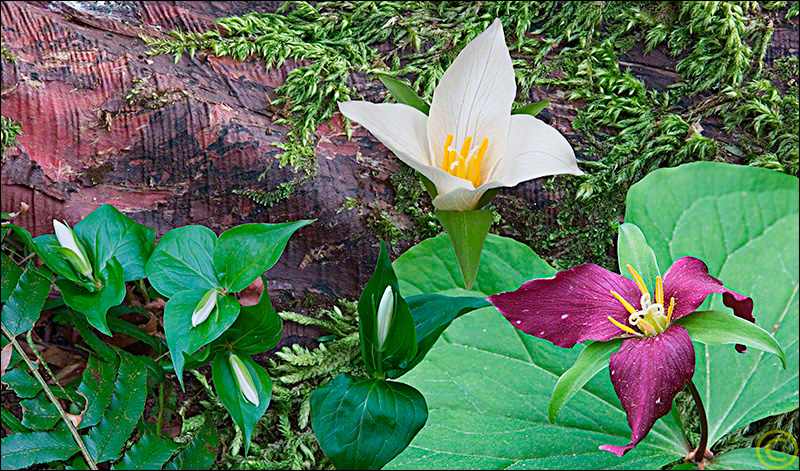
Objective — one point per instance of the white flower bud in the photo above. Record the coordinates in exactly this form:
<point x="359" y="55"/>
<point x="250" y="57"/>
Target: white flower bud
<point x="243" y="379"/>
<point x="204" y="308"/>
<point x="72" y="248"/>
<point x="385" y="313"/>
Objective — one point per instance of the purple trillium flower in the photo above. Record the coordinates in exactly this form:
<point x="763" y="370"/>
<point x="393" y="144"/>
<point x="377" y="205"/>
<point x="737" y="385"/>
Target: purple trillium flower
<point x="656" y="359"/>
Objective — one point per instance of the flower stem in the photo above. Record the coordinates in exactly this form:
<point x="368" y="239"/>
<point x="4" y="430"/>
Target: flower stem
<point x="160" y="408"/>
<point x="700" y="452"/>
<point x="35" y="371"/>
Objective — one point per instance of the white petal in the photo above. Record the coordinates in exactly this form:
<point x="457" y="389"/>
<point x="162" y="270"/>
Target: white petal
<point x="463" y="199"/>
<point x="202" y="314"/>
<point x="66" y="238"/>
<point x="402" y="129"/>
<point x="385" y="312"/>
<point x="534" y="150"/>
<point x="474" y="97"/>
<point x="245" y="381"/>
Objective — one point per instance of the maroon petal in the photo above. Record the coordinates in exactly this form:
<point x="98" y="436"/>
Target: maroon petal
<point x="571" y="307"/>
<point x="647" y="373"/>
<point x="689" y="282"/>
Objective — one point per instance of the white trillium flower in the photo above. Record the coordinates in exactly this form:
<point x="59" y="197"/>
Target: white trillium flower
<point x="204" y="308"/>
<point x="385" y="313"/>
<point x="72" y="248"/>
<point x="470" y="143"/>
<point x="243" y="379"/>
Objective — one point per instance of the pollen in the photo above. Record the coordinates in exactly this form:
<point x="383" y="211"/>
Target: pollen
<point x="621" y="326"/>
<point x="467" y="163"/>
<point x="638" y="279"/>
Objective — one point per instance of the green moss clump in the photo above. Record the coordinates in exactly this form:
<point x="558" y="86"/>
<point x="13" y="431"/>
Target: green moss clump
<point x="10" y="130"/>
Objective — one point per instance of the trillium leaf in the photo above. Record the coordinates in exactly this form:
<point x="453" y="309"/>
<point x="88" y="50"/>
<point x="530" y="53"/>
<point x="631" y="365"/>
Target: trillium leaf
<point x="363" y="423"/>
<point x="182" y="337"/>
<point x="402" y="93"/>
<point x="592" y="360"/>
<point x="107" y="233"/>
<point x="467" y="231"/>
<point x="754" y="458"/>
<point x="532" y="108"/>
<point x="47" y="249"/>
<point x="632" y="249"/>
<point x="244" y="413"/>
<point x="258" y="327"/>
<point x="715" y="328"/>
<point x="95" y="305"/>
<point x="23" y="306"/>
<point x="743" y="223"/>
<point x="182" y="260"/>
<point x="246" y="251"/>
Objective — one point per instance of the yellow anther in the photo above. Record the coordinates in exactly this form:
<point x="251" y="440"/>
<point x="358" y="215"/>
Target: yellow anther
<point x="465" y="147"/>
<point x="446" y="155"/>
<point x="476" y="176"/>
<point x="450" y="161"/>
<point x="624" y="303"/>
<point x="471" y="171"/>
<point x="623" y="327"/>
<point x="659" y="291"/>
<point x="639" y="281"/>
<point x="462" y="167"/>
<point x="647" y="326"/>
<point x="670" y="309"/>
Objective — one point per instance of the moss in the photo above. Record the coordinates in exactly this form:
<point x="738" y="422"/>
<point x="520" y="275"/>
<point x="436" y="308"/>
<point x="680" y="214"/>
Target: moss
<point x="10" y="130"/>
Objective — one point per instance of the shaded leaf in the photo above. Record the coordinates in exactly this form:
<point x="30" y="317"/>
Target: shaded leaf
<point x="21" y="450"/>
<point x="257" y="329"/>
<point x="467" y="231"/>
<point x="402" y="93"/>
<point x="11" y="273"/>
<point x="22" y="383"/>
<point x="201" y="452"/>
<point x="182" y="260"/>
<point x="97" y="387"/>
<point x="150" y="452"/>
<point x="39" y="413"/>
<point x="26" y="301"/>
<point x="95" y="305"/>
<point x="532" y="108"/>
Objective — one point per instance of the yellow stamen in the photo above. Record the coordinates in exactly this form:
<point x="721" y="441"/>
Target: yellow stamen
<point x="461" y="167"/>
<point x="647" y="326"/>
<point x="446" y="155"/>
<point x="639" y="281"/>
<point x="471" y="171"/>
<point x="624" y="303"/>
<point x="465" y="147"/>
<point x="623" y="327"/>
<point x="669" y="310"/>
<point x="450" y="162"/>
<point x="476" y="178"/>
<point x="659" y="291"/>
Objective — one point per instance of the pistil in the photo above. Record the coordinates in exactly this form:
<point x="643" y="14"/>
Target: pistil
<point x="466" y="165"/>
<point x="650" y="318"/>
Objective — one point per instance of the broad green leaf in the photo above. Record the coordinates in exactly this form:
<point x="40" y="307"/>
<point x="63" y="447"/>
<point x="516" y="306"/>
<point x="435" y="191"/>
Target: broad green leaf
<point x="244" y="413"/>
<point x="105" y="441"/>
<point x="22" y="383"/>
<point x="432" y="314"/>
<point x="754" y="458"/>
<point x="467" y="230"/>
<point x="363" y="423"/>
<point x="20" y="450"/>
<point x="743" y="223"/>
<point x="258" y="327"/>
<point x="151" y="452"/>
<point x="715" y="328"/>
<point x="430" y="187"/>
<point x="97" y="387"/>
<point x="11" y="273"/>
<point x="201" y="452"/>
<point x="182" y="337"/>
<point x="26" y="301"/>
<point x="632" y="249"/>
<point x="402" y="93"/>
<point x="38" y="413"/>
<point x="96" y="305"/>
<point x="107" y="233"/>
<point x="246" y="251"/>
<point x="182" y="260"/>
<point x="592" y="360"/>
<point x="47" y="249"/>
<point x="532" y="108"/>
<point x="11" y="422"/>
<point x="488" y="385"/>
<point x="401" y="341"/>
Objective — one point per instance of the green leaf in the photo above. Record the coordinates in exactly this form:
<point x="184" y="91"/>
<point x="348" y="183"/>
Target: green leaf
<point x="39" y="413"/>
<point x="201" y="452"/>
<point x="592" y="360"/>
<point x="95" y="305"/>
<point x="402" y="93"/>
<point x="22" y="383"/>
<point x="754" y="458"/>
<point x="183" y="260"/>
<point x="258" y="327"/>
<point x="26" y="301"/>
<point x="432" y="314"/>
<point x="11" y="422"/>
<point x="632" y="249"/>
<point x="47" y="248"/>
<point x="401" y="341"/>
<point x="488" y="385"/>
<point x="743" y="223"/>
<point x="467" y="231"/>
<point x="105" y="441"/>
<point x="430" y="187"/>
<point x="101" y="348"/>
<point x="151" y="452"/>
<point x="245" y="252"/>
<point x="363" y="423"/>
<point x="21" y="450"/>
<point x="108" y="233"/>
<point x="532" y="108"/>
<point x="244" y="413"/>
<point x="11" y="273"/>
<point x="182" y="337"/>
<point x="97" y="387"/>
<point x="715" y="328"/>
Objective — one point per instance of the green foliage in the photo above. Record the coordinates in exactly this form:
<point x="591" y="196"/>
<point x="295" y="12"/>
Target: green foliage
<point x="10" y="130"/>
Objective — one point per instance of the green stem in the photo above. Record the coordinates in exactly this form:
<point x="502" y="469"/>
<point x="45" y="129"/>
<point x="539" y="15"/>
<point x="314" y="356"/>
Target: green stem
<point x="160" y="408"/>
<point x="35" y="371"/>
<point x="700" y="452"/>
<point x="39" y="357"/>
<point x="144" y="291"/>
